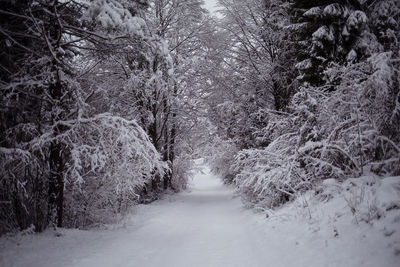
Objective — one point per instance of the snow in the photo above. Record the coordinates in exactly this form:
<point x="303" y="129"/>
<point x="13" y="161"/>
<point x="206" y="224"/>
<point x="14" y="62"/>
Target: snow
<point x="111" y="14"/>
<point x="209" y="227"/>
<point x="313" y="12"/>
<point x="324" y="33"/>
<point x="304" y="65"/>
<point x="356" y="18"/>
<point x="351" y="56"/>
<point x="336" y="10"/>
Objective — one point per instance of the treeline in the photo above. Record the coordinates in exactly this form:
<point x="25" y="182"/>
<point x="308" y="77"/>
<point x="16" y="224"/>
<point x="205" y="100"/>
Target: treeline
<point x="91" y="118"/>
<point x="308" y="90"/>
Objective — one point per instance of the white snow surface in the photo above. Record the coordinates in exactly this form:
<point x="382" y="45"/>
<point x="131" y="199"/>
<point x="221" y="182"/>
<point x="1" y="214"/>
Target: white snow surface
<point x="208" y="226"/>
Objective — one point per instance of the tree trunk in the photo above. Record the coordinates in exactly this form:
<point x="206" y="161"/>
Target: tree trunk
<point x="56" y="163"/>
<point x="56" y="186"/>
<point x="56" y="157"/>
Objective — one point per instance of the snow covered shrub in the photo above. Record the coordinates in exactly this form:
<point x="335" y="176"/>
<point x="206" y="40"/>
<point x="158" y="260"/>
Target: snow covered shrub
<point x="353" y="66"/>
<point x="20" y="175"/>
<point x="327" y="134"/>
<point x="111" y="160"/>
<point x="271" y="176"/>
<point x="361" y="116"/>
<point x="268" y="179"/>
<point x="117" y="147"/>
<point x="362" y="202"/>
<point x="95" y="202"/>
<point x="182" y="171"/>
<point x="108" y="159"/>
<point x="354" y="126"/>
<point x="321" y="157"/>
<point x="222" y="158"/>
<point x="367" y="198"/>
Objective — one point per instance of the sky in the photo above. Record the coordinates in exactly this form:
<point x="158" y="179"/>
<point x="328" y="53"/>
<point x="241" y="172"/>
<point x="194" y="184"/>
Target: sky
<point x="210" y="5"/>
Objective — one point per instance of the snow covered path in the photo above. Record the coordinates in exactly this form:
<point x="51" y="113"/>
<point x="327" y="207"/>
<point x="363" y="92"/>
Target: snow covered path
<point x="208" y="227"/>
<point x="202" y="228"/>
<point x="205" y="227"/>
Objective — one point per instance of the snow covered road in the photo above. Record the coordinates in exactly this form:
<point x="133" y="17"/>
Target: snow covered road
<point x="207" y="227"/>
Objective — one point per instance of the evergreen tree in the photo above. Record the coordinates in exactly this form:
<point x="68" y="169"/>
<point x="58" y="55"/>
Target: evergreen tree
<point x="329" y="31"/>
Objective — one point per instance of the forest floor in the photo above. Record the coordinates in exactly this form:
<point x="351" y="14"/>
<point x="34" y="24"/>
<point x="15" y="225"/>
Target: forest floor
<point x="208" y="226"/>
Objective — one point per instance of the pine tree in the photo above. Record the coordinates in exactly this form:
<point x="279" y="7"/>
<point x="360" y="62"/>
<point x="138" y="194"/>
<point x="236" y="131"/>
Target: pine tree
<point x="329" y="31"/>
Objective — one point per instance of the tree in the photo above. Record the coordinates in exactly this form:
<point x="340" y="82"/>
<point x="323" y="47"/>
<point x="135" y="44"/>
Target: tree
<point x="340" y="117"/>
<point x="179" y="23"/>
<point x="256" y="68"/>
<point x="53" y="134"/>
<point x="330" y="31"/>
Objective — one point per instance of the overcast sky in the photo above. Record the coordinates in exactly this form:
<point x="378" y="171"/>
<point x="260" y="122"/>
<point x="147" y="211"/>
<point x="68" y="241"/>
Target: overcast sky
<point x="210" y="5"/>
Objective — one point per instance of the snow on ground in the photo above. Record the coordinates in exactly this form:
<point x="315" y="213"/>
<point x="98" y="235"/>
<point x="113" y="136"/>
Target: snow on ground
<point x="210" y="227"/>
<point x="355" y="223"/>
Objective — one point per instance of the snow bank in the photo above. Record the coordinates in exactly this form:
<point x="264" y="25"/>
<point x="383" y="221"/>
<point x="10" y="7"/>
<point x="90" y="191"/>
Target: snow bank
<point x="354" y="223"/>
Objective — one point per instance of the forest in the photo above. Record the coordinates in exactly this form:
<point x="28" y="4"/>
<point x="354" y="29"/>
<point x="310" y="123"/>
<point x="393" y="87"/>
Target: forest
<point x="106" y="104"/>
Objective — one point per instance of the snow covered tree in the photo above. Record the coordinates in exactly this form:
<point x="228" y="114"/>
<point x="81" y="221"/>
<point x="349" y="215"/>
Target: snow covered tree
<point x="53" y="135"/>
<point x="330" y="31"/>
<point x="178" y="24"/>
<point x="342" y="119"/>
<point x="256" y="62"/>
<point x="42" y="81"/>
<point x="384" y="21"/>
